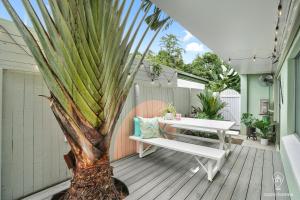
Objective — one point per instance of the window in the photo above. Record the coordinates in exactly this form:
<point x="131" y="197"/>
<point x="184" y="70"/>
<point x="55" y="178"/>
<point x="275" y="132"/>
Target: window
<point x="297" y="93"/>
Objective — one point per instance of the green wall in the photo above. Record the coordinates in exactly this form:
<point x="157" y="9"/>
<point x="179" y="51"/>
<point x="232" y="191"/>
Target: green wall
<point x="252" y="91"/>
<point x="287" y="114"/>
<point x="256" y="92"/>
<point x="286" y="75"/>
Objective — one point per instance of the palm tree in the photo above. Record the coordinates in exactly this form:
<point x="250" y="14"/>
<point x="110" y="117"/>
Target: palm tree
<point x="82" y="50"/>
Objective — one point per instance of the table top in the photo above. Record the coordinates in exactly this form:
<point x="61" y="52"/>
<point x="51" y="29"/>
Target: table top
<point x="200" y="123"/>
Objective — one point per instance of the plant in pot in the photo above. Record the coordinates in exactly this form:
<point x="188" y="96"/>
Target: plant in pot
<point x="248" y="120"/>
<point x="264" y="127"/>
<point x="86" y="54"/>
<point x="169" y="112"/>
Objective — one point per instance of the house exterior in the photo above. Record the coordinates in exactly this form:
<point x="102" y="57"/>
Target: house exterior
<point x="258" y="38"/>
<point x="246" y="41"/>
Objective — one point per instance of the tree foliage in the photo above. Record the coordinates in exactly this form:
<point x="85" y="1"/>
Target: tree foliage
<point x="170" y="53"/>
<point x="157" y="18"/>
<point x="221" y="76"/>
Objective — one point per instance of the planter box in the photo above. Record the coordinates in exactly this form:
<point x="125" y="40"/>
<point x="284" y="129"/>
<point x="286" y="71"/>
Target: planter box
<point x="264" y="141"/>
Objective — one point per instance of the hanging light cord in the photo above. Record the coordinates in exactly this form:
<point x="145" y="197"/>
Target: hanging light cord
<point x="275" y="52"/>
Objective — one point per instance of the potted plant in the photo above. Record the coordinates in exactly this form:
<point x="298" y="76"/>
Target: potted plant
<point x="169" y="112"/>
<point x="248" y="120"/>
<point x="264" y="127"/>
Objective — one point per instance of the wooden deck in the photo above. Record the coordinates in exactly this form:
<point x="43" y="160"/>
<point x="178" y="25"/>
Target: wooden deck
<point x="247" y="174"/>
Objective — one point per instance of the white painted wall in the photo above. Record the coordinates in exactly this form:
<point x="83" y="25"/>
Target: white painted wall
<point x="190" y="84"/>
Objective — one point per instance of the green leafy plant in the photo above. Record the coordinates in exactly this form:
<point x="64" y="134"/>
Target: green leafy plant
<point x="264" y="126"/>
<point x="211" y="106"/>
<point x="169" y="109"/>
<point x="248" y="120"/>
<point x="85" y="52"/>
<point x="156" y="70"/>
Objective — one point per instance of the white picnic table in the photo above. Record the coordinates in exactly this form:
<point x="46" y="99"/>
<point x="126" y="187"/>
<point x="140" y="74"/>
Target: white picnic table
<point x="218" y="127"/>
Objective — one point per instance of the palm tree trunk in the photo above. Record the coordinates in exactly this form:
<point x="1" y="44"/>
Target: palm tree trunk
<point x="94" y="182"/>
<point x="92" y="173"/>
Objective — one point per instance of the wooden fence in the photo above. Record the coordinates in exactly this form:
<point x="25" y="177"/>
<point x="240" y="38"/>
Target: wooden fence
<point x="150" y="103"/>
<point x="33" y="144"/>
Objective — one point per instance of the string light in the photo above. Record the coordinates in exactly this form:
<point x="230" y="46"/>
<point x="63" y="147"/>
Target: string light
<point x="273" y="56"/>
<point x="276" y="29"/>
<point x="280" y="9"/>
<point x="169" y="82"/>
<point x="152" y="82"/>
<point x="250" y="58"/>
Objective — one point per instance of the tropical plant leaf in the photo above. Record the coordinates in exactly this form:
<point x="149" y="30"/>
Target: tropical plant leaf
<point x="211" y="105"/>
<point x="82" y="50"/>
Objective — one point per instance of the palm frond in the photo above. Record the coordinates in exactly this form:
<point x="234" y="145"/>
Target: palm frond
<point x="82" y="50"/>
<point x="211" y="105"/>
<point x="158" y="16"/>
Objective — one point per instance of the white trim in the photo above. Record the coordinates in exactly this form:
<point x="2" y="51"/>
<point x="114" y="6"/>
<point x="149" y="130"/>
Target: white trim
<point x="291" y="145"/>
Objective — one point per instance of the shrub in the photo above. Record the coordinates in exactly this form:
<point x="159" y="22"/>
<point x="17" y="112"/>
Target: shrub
<point x="211" y="106"/>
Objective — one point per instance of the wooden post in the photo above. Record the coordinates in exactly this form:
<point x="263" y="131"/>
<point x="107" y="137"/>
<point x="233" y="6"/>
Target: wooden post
<point x="137" y="99"/>
<point x="137" y="109"/>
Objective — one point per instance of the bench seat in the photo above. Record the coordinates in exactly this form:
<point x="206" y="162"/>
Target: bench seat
<point x="191" y="128"/>
<point x="216" y="156"/>
<point x="184" y="147"/>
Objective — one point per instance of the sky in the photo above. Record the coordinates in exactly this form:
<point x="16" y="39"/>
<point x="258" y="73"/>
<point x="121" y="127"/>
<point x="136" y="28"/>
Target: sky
<point x="191" y="44"/>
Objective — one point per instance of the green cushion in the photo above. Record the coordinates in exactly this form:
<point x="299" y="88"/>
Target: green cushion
<point x="149" y="127"/>
<point x="137" y="128"/>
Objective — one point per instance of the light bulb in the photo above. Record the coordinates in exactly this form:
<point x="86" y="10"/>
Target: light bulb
<point x="229" y="60"/>
<point x="152" y="82"/>
<point x="254" y="58"/>
<point x="280" y="9"/>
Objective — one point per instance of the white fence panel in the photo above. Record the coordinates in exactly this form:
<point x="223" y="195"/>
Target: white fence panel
<point x="233" y="106"/>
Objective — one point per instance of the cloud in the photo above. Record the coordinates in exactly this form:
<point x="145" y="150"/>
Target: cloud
<point x="195" y="47"/>
<point x="187" y="36"/>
